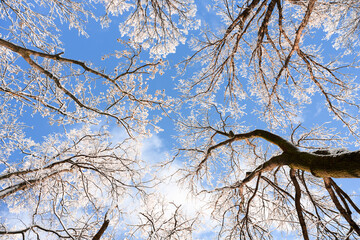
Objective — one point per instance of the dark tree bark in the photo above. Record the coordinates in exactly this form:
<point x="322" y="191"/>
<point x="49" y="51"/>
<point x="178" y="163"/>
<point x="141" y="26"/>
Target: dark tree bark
<point x="338" y="165"/>
<point x="325" y="164"/>
<point x="101" y="230"/>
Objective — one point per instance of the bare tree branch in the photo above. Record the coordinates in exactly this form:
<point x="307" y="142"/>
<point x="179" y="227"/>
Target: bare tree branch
<point x="101" y="230"/>
<point x="298" y="204"/>
<point x="346" y="215"/>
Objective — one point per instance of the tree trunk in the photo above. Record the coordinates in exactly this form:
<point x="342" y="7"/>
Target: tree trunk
<point x="320" y="163"/>
<point x="344" y="165"/>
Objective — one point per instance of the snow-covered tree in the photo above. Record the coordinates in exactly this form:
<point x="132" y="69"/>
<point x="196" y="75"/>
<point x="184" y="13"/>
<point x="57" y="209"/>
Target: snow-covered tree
<point x="263" y="68"/>
<point x="244" y="147"/>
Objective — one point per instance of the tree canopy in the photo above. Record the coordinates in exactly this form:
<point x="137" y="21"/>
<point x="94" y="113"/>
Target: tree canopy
<point x="257" y="101"/>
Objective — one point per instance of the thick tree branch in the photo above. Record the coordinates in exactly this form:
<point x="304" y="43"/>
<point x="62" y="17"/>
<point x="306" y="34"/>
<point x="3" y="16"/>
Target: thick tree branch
<point x="23" y="231"/>
<point x="285" y="145"/>
<point x="241" y="18"/>
<point x="340" y="192"/>
<point x="298" y="35"/>
<point x="298" y="204"/>
<point x="342" y="165"/>
<point x="342" y="211"/>
<point x="28" y="183"/>
<point x="57" y="57"/>
<point x="102" y="229"/>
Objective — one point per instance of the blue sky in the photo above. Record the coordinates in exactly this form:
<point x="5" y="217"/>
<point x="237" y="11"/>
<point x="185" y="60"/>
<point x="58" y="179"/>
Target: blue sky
<point x="103" y="41"/>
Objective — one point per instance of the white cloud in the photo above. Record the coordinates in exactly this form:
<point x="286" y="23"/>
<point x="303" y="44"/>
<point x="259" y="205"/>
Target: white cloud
<point x="168" y="190"/>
